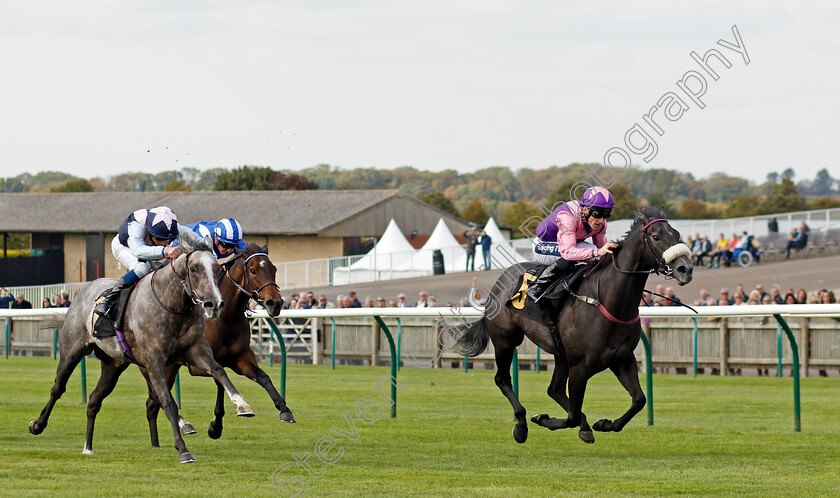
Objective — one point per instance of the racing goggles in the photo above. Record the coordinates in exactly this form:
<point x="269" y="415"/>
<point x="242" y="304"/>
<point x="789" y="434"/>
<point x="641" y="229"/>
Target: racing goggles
<point x="599" y="213"/>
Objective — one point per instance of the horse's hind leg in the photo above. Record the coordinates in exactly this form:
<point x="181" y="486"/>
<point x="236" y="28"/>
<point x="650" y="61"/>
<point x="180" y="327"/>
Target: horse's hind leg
<point x="557" y="391"/>
<point x="107" y="381"/>
<point x="66" y="365"/>
<point x="504" y="358"/>
<point x="578" y="378"/>
<point x="247" y="366"/>
<point x="628" y="374"/>
<point x="153" y="406"/>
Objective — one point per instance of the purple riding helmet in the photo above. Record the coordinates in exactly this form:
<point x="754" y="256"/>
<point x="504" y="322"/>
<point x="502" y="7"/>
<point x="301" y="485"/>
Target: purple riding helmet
<point x="597" y="197"/>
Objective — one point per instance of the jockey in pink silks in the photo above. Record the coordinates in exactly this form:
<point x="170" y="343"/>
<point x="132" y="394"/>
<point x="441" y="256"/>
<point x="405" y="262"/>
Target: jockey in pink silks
<point x="561" y="236"/>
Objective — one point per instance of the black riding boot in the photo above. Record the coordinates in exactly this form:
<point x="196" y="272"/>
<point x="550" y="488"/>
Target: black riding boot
<point x="110" y="300"/>
<point x="546" y="278"/>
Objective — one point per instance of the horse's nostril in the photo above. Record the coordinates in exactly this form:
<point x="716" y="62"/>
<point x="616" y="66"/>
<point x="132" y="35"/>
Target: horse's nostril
<point x="682" y="269"/>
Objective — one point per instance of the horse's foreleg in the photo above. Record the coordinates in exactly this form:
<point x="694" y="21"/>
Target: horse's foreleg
<point x="66" y="365"/>
<point x="157" y="379"/>
<point x="247" y="366"/>
<point x="628" y="374"/>
<point x="107" y="381"/>
<point x="171" y="373"/>
<point x="504" y="358"/>
<point x="215" y="429"/>
<point x="201" y="357"/>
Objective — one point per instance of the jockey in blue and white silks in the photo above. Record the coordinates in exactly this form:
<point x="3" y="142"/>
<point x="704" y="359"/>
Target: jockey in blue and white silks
<point x="146" y="235"/>
<point x="226" y="235"/>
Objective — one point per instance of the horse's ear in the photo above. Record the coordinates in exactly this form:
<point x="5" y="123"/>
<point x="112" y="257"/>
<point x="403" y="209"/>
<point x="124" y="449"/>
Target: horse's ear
<point x="640" y="215"/>
<point x="662" y="212"/>
<point x="208" y="241"/>
<point x="264" y="249"/>
<point x="183" y="244"/>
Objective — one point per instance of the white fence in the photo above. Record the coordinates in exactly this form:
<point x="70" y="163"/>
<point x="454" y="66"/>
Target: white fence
<point x="744" y="336"/>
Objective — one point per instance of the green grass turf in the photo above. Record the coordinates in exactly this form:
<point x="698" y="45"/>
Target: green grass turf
<point x="452" y="437"/>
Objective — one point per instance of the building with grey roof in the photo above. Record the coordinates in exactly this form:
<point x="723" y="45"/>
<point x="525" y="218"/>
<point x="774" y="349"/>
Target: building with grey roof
<point x="295" y="225"/>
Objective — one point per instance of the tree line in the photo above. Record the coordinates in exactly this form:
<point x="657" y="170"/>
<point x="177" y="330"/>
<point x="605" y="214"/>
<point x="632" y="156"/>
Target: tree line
<point x="510" y="196"/>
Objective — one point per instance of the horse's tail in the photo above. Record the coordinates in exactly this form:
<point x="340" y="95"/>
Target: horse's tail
<point x="470" y="338"/>
<point x="51" y="323"/>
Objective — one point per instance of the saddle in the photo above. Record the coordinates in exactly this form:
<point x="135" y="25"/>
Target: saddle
<point x="557" y="292"/>
<point x="107" y="325"/>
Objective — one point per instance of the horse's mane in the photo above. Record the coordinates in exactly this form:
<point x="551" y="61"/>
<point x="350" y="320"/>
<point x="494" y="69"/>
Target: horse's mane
<point x="643" y="215"/>
<point x="251" y="248"/>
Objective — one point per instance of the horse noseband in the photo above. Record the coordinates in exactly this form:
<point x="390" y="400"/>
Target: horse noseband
<point x="662" y="266"/>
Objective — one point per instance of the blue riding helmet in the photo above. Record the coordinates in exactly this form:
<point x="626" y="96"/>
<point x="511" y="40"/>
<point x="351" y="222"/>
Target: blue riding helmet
<point x="162" y="223"/>
<point x="229" y="231"/>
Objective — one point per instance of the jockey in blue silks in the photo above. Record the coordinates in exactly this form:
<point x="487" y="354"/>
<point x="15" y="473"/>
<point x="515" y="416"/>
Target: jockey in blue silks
<point x="226" y="235"/>
<point x="145" y="236"/>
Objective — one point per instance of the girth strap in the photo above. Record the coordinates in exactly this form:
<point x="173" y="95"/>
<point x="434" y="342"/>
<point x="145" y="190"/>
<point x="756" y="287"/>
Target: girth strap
<point x="124" y="346"/>
<point x="594" y="302"/>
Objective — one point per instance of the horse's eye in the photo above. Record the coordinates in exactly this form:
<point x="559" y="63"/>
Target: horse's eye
<point x="253" y="271"/>
<point x="192" y="269"/>
<point x="656" y="238"/>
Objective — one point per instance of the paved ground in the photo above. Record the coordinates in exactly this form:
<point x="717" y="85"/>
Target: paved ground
<point x="810" y="274"/>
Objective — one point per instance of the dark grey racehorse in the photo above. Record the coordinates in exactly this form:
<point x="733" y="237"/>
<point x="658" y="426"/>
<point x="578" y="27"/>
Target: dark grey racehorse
<point x="592" y="341"/>
<point x="163" y="323"/>
<point x="251" y="275"/>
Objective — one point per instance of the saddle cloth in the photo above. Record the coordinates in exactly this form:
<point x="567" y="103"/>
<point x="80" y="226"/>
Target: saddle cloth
<point x="107" y="325"/>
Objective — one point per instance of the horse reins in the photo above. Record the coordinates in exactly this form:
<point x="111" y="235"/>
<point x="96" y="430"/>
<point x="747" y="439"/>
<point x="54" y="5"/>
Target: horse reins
<point x="660" y="260"/>
<point x="185" y="283"/>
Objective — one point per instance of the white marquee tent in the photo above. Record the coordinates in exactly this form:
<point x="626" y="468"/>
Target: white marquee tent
<point x="502" y="254"/>
<point x="454" y="255"/>
<point x="381" y="262"/>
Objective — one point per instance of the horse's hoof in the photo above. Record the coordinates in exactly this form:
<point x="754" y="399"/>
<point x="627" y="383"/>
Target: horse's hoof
<point x="287" y="417"/>
<point x="540" y="419"/>
<point x="87" y="451"/>
<point x="603" y="425"/>
<point x="187" y="429"/>
<point x="186" y="457"/>
<point x="586" y="436"/>
<point x="213" y="431"/>
<point x="244" y="411"/>
<point x="34" y="429"/>
<point x="520" y="434"/>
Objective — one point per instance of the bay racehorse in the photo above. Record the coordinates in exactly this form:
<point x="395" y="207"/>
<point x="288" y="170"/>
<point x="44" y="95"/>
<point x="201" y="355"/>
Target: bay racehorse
<point x="593" y="336"/>
<point x="163" y="323"/>
<point x="249" y="275"/>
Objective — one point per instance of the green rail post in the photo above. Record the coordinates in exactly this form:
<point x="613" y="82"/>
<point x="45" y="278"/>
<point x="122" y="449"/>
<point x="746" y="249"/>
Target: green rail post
<point x="696" y="334"/>
<point x="399" y="343"/>
<point x="794" y="349"/>
<point x="84" y="382"/>
<point x="178" y="389"/>
<point x="779" y="372"/>
<point x="332" y="318"/>
<point x="516" y="372"/>
<point x="276" y="331"/>
<point x="393" y="364"/>
<point x="649" y="377"/>
<point x="538" y="359"/>
<point x="8" y="336"/>
<point x="55" y="343"/>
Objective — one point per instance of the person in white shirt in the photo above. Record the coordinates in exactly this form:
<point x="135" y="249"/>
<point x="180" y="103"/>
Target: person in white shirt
<point x="422" y="302"/>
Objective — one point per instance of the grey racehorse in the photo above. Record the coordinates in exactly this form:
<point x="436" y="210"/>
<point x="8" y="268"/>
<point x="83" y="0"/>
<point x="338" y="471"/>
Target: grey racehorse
<point x="163" y="324"/>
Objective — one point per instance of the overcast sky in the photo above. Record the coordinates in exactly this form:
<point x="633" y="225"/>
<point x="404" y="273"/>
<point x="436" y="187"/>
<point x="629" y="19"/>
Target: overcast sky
<point x="97" y="88"/>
